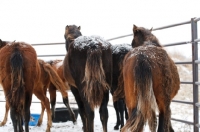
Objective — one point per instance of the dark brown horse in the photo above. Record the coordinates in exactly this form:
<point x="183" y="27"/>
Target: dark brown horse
<point x="88" y="70"/>
<point x="19" y="72"/>
<point x="151" y="80"/>
<point x="48" y="75"/>
<point x="117" y="89"/>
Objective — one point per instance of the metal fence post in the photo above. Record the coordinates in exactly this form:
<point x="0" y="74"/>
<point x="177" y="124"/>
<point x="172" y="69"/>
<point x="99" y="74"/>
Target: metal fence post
<point x="195" y="74"/>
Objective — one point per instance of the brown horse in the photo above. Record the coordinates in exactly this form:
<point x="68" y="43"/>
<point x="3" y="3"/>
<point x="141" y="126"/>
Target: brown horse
<point x="47" y="76"/>
<point x="57" y="65"/>
<point x="117" y="89"/>
<point x="88" y="70"/>
<point x="151" y="80"/>
<point x="19" y="72"/>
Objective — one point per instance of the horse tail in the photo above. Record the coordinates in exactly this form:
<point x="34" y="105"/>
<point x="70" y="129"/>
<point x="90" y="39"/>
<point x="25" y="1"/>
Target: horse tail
<point x="146" y="101"/>
<point x="55" y="79"/>
<point x="94" y="79"/>
<point x="16" y="95"/>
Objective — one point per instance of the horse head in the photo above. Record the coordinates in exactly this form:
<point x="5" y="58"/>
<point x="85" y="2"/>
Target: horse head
<point x="141" y="35"/>
<point x="71" y="32"/>
<point x="2" y="43"/>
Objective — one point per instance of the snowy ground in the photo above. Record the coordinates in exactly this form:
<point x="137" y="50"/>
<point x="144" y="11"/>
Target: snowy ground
<point x="60" y="127"/>
<point x="179" y="111"/>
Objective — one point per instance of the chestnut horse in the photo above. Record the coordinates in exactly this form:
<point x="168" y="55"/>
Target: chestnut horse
<point x="117" y="89"/>
<point x="19" y="72"/>
<point x="57" y="65"/>
<point x="47" y="76"/>
<point x="151" y="80"/>
<point x="88" y="70"/>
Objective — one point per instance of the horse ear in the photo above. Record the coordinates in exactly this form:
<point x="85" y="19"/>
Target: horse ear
<point x="151" y="29"/>
<point x="135" y="28"/>
<point x="79" y="28"/>
<point x="67" y="27"/>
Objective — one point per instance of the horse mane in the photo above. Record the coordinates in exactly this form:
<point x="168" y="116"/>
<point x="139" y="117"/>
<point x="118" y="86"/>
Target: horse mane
<point x="144" y="35"/>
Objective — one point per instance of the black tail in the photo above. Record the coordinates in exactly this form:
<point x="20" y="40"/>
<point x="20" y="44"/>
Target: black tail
<point x="16" y="95"/>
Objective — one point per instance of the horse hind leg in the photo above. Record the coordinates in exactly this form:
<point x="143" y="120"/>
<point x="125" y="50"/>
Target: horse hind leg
<point x="45" y="101"/>
<point x="72" y="115"/>
<point x="42" y="110"/>
<point x="6" y="114"/>
<point x="41" y="115"/>
<point x="13" y="118"/>
<point x="81" y="108"/>
<point x="104" y="111"/>
<point x="121" y="111"/>
<point x="52" y="92"/>
<point x="116" y="127"/>
<point x="164" y="119"/>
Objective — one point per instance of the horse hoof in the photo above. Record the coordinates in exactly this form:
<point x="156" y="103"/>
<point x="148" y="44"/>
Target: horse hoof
<point x="116" y="128"/>
<point x="39" y="123"/>
<point x="75" y="122"/>
<point x="48" y="130"/>
<point x="2" y="124"/>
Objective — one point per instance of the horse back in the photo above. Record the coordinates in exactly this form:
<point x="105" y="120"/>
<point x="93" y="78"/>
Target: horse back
<point x="165" y="76"/>
<point x="29" y="60"/>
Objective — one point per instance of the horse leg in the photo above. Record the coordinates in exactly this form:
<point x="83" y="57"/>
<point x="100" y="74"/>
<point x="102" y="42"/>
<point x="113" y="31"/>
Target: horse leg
<point x="27" y="104"/>
<point x="90" y="117"/>
<point x="52" y="92"/>
<point x="6" y="115"/>
<point x="116" y="127"/>
<point x="42" y="109"/>
<point x="104" y="111"/>
<point x="80" y="107"/>
<point x="20" y="123"/>
<point x="126" y="111"/>
<point x="45" y="101"/>
<point x="121" y="111"/>
<point x="170" y="127"/>
<point x="164" y="118"/>
<point x="72" y="115"/>
<point x="41" y="115"/>
<point x="66" y="102"/>
<point x="13" y="114"/>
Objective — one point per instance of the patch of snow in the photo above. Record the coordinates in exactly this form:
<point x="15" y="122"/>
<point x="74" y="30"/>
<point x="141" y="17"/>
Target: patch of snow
<point x="85" y="42"/>
<point x="120" y="48"/>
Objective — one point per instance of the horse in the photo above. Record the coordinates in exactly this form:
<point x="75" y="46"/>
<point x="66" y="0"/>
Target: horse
<point x="88" y="69"/>
<point x="151" y="80"/>
<point x="117" y="89"/>
<point x="48" y="76"/>
<point x="57" y="65"/>
<point x="18" y="76"/>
